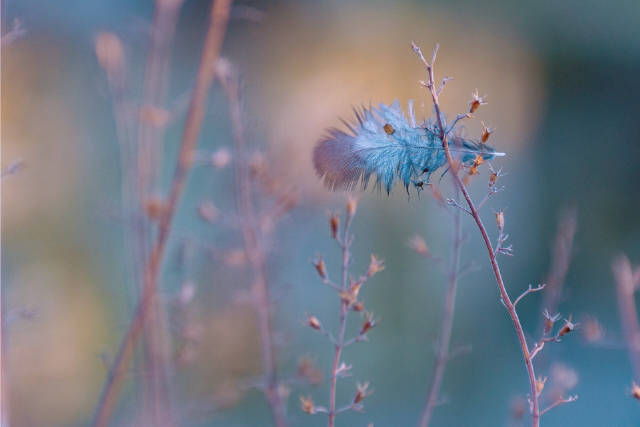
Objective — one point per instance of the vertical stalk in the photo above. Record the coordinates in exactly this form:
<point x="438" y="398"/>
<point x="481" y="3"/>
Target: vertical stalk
<point x="255" y="253"/>
<point x="626" y="282"/>
<point x="345" y="244"/>
<point x="447" y="321"/>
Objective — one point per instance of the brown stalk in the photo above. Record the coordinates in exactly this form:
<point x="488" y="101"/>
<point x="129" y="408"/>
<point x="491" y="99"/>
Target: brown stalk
<point x="204" y="79"/>
<point x="255" y="252"/>
<point x="454" y="168"/>
<point x="627" y="281"/>
<point x="446" y="327"/>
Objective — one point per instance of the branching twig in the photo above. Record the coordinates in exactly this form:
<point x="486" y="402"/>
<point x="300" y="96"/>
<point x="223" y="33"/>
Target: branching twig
<point x="560" y="402"/>
<point x="528" y="291"/>
<point x="454" y="169"/>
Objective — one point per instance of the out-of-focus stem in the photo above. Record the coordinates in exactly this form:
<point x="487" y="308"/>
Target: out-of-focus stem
<point x="255" y="253"/>
<point x="446" y="327"/>
<point x="204" y="79"/>
<point x="561" y="258"/>
<point x="150" y="140"/>
<point x="627" y="281"/>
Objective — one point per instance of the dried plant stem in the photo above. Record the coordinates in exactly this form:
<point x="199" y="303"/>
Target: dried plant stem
<point x="255" y="253"/>
<point x="627" y="281"/>
<point x="345" y="244"/>
<point x="442" y="356"/>
<point x="204" y="79"/>
<point x="561" y="258"/>
<point x="154" y="92"/>
<point x="455" y="168"/>
<point x="150" y="139"/>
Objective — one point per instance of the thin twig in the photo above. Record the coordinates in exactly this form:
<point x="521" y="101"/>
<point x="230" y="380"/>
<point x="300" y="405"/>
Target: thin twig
<point x="212" y="45"/>
<point x="150" y="142"/>
<point x="345" y="244"/>
<point x="560" y="260"/>
<point x="535" y="410"/>
<point x="560" y="402"/>
<point x="447" y="322"/>
<point x="626" y="283"/>
<point x="528" y="291"/>
<point x="255" y="251"/>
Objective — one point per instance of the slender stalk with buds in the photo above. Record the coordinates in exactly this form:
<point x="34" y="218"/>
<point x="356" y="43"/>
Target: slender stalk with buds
<point x="348" y="292"/>
<point x="443" y="133"/>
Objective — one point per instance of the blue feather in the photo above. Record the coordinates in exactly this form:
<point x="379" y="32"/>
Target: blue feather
<point x="386" y="143"/>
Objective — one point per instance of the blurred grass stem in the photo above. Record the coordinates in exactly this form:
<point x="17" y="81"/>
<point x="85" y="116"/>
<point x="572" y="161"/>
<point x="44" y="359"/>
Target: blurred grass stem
<point x="213" y="43"/>
<point x="254" y="248"/>
<point x="446" y="326"/>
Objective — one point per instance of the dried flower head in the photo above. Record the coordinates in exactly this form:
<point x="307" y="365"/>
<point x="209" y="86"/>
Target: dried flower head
<point x="486" y="133"/>
<point x="334" y="222"/>
<point x="476" y="102"/>
<point x="500" y="220"/>
<point x="318" y="263"/>
<point x="549" y="321"/>
<point x="358" y="307"/>
<point x="540" y="384"/>
<point x="368" y="324"/>
<point x="352" y="205"/>
<point x="568" y="327"/>
<point x="313" y="322"/>
<point x="420" y="246"/>
<point x="635" y="390"/>
<point x="306" y="403"/>
<point x="350" y="296"/>
<point x="375" y="266"/>
<point x="362" y="393"/>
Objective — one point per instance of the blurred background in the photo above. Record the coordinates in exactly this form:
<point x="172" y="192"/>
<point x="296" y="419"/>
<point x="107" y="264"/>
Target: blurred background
<point x="562" y="82"/>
